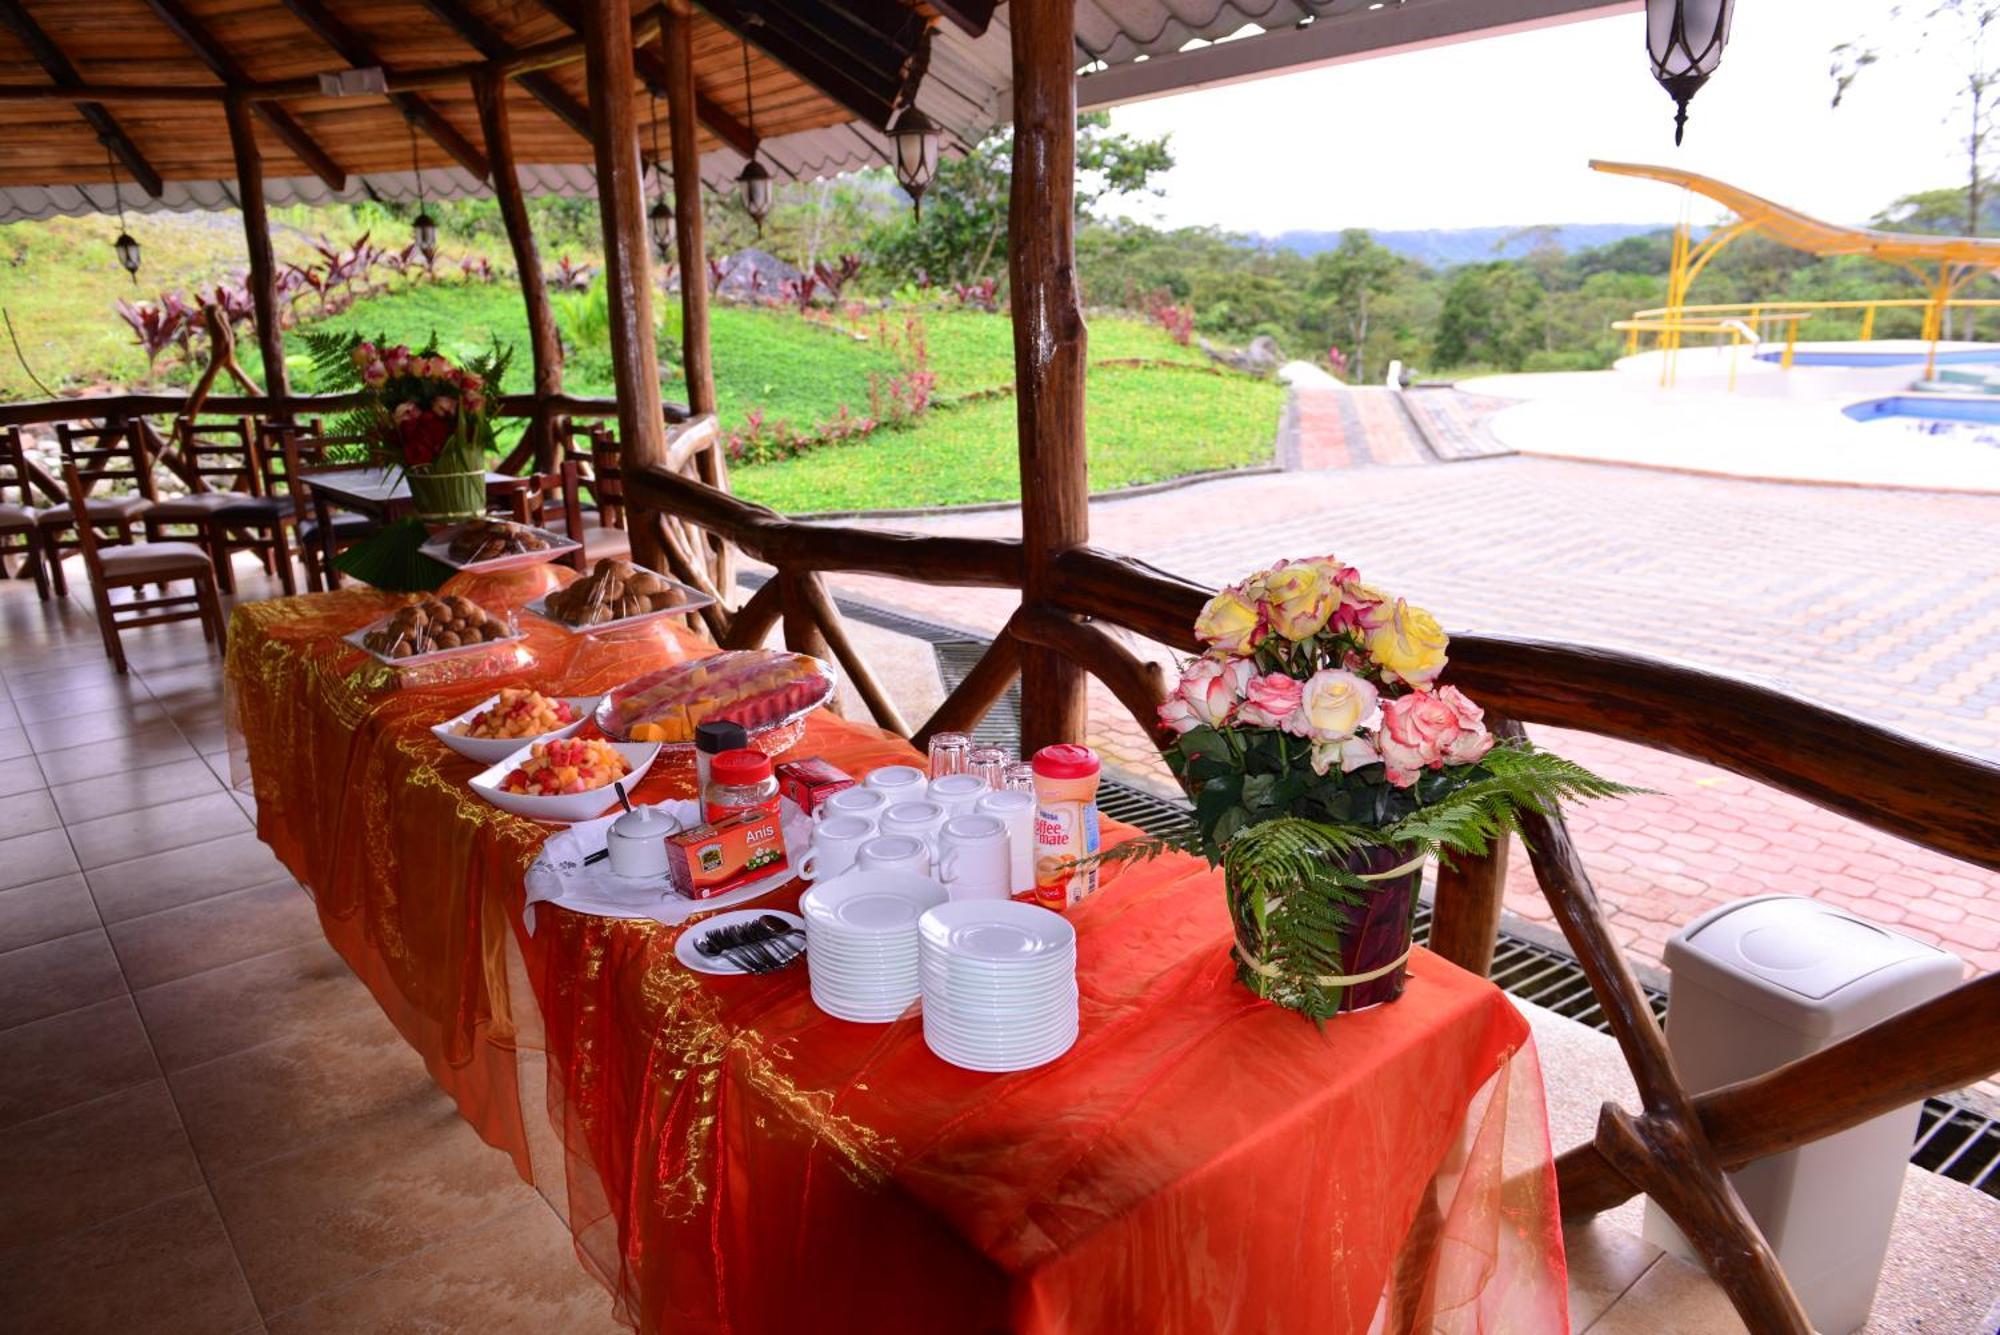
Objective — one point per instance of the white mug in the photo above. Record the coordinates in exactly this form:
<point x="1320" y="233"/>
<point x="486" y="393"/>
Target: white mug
<point x="972" y="857"/>
<point x="917" y="818"/>
<point x="894" y="852"/>
<point x="897" y="782"/>
<point x="864" y="803"/>
<point x="1016" y="810"/>
<point x="958" y="794"/>
<point x="835" y="843"/>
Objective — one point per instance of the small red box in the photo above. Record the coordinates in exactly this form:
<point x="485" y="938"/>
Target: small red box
<point x="711" y="860"/>
<point x="810" y="782"/>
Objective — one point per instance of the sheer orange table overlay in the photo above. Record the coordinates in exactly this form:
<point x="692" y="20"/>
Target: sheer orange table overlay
<point x="738" y="1160"/>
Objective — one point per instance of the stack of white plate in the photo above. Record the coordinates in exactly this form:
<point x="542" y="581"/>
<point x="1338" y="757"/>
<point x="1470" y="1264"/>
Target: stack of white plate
<point x="861" y="942"/>
<point x="999" y="984"/>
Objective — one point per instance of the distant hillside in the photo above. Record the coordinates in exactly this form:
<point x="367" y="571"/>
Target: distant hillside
<point x="1443" y="247"/>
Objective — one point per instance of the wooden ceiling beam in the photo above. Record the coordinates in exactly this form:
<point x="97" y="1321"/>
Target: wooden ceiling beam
<point x="652" y="69"/>
<point x="50" y="57"/>
<point x="493" y="45"/>
<point x="868" y="72"/>
<point x="971" y="17"/>
<point x="358" y="52"/>
<point x="184" y="25"/>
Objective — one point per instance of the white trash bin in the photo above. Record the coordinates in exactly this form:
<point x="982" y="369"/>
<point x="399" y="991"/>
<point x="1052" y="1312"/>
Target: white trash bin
<point x="1762" y="982"/>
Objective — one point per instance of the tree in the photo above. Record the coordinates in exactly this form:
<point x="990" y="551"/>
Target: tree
<point x="1491" y="316"/>
<point x="1347" y="278"/>
<point x="1970" y="29"/>
<point x="962" y="235"/>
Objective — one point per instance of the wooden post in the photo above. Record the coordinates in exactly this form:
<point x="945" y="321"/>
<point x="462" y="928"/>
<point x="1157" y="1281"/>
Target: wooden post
<point x="490" y="91"/>
<point x="1048" y="348"/>
<point x="697" y="355"/>
<point x="621" y="200"/>
<point x="263" y="276"/>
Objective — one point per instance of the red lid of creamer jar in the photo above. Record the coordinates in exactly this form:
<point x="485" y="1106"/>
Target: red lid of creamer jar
<point x="1065" y="760"/>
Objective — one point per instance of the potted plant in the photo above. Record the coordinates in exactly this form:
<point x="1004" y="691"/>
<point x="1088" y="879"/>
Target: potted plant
<point x="1328" y="763"/>
<point x="420" y="414"/>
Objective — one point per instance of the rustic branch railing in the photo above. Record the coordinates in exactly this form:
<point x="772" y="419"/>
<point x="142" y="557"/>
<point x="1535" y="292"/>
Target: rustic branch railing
<point x="1679" y="1147"/>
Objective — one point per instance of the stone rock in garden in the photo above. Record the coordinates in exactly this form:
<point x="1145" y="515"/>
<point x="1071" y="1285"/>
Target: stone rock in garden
<point x="1262" y="357"/>
<point x="754" y="273"/>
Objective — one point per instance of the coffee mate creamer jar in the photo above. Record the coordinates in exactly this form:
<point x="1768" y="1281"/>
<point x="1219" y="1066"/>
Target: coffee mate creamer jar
<point x="1065" y="823"/>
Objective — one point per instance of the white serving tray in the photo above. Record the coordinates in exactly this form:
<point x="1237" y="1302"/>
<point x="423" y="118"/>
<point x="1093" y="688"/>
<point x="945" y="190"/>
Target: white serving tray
<point x="439" y="547"/>
<point x="563" y="808"/>
<point x="415" y="660"/>
<point x="492" y="750"/>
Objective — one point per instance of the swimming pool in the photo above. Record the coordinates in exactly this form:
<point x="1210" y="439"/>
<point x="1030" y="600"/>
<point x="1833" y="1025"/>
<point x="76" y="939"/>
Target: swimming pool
<point x="1865" y="356"/>
<point x="1932" y="415"/>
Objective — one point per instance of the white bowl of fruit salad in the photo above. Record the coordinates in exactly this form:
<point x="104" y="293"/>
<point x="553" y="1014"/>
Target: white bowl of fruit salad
<point x="565" y="778"/>
<point x="502" y="724"/>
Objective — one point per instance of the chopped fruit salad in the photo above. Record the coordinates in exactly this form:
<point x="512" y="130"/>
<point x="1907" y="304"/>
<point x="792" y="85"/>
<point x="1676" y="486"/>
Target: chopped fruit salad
<point x="567" y="765"/>
<point x="520" y="712"/>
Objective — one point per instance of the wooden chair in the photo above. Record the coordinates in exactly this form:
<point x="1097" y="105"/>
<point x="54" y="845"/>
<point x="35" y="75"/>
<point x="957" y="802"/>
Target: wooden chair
<point x="135" y="565"/>
<point x="111" y="453"/>
<point x="300" y="453"/>
<point x="593" y="453"/>
<point x="20" y="534"/>
<point x="531" y="505"/>
<point x="219" y="462"/>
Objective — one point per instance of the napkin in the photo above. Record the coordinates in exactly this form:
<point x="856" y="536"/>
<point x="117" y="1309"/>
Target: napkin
<point x="558" y="874"/>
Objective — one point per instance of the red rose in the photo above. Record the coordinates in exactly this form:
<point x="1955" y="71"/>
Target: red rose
<point x="424" y="437"/>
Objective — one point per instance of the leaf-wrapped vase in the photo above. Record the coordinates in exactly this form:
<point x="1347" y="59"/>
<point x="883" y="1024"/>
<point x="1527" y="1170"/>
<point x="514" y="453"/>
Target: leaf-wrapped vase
<point x="1326" y="952"/>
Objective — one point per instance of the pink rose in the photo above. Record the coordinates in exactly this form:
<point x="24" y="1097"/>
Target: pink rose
<point x="1350" y="753"/>
<point x="403" y="412"/>
<point x="474" y="401"/>
<point x="1269" y="700"/>
<point x="397" y="359"/>
<point x="444" y="405"/>
<point x="374" y="375"/>
<point x="467" y="380"/>
<point x="1472" y="743"/>
<point x="1296" y="599"/>
<point x="1209" y="692"/>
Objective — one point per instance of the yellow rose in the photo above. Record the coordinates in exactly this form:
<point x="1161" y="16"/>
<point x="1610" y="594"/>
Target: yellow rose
<point x="1298" y="599"/>
<point x="1229" y="623"/>
<point x="1407" y="644"/>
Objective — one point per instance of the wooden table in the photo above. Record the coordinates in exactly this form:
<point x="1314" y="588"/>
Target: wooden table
<point x="381" y="493"/>
<point x="739" y="1160"/>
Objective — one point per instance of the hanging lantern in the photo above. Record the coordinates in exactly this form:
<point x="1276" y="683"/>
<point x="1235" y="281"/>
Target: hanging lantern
<point x="660" y="222"/>
<point x="755" y="184"/>
<point x="1685" y="40"/>
<point x="425" y="227"/>
<point x="124" y="247"/>
<point x="916" y="155"/>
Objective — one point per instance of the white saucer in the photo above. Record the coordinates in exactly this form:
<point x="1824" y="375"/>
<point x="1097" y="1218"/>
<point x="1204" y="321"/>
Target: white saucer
<point x="1000" y="931"/>
<point x="684" y="948"/>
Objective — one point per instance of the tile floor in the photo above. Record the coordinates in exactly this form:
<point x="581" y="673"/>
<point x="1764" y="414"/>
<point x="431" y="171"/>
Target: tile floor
<point x="211" y="1128"/>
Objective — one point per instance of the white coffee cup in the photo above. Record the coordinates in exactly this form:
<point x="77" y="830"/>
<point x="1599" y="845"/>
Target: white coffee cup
<point x="863" y="803"/>
<point x="836" y="842"/>
<point x="1016" y="810"/>
<point x="958" y="794"/>
<point x="637" y="842"/>
<point x="899" y="783"/>
<point x="894" y="852"/>
<point x="972" y="857"/>
<point x="918" y="818"/>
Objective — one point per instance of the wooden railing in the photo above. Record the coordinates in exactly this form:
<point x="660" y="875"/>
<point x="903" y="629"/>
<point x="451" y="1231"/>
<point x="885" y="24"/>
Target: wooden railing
<point x="1678" y="1146"/>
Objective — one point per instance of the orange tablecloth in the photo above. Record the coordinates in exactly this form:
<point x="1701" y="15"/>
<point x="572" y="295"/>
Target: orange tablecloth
<point x="737" y="1160"/>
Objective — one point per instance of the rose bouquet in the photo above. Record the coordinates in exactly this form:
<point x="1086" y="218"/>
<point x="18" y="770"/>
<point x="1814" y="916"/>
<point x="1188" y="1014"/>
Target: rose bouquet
<point x="420" y="414"/>
<point x="1328" y="762"/>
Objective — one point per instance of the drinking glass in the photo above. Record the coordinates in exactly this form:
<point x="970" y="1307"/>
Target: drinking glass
<point x="990" y="764"/>
<point x="950" y="752"/>
<point x="1019" y="776"/>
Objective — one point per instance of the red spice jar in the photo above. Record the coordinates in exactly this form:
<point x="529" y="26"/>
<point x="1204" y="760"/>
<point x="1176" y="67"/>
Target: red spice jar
<point x="739" y="781"/>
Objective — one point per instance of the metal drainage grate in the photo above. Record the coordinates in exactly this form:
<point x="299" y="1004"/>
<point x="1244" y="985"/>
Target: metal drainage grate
<point x="1954" y="1140"/>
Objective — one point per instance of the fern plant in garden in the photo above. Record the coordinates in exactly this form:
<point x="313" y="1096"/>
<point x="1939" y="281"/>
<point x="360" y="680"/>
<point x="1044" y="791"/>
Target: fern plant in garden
<point x="1328" y="764"/>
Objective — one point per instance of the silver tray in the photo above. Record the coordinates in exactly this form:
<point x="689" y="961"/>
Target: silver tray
<point x="690" y="600"/>
<point x="438" y="655"/>
<point x="439" y="545"/>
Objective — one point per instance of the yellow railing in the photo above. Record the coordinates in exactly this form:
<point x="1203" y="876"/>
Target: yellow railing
<point x="1667" y="320"/>
<point x="1671" y="325"/>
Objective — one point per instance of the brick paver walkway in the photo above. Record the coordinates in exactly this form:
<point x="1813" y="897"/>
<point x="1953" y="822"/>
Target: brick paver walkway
<point x="1883" y="603"/>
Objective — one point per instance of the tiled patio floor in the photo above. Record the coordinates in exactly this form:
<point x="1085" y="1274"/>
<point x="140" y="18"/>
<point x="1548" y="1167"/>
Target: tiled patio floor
<point x="212" y="1128"/>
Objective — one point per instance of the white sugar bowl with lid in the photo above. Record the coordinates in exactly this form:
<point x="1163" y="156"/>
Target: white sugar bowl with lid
<point x="637" y="842"/>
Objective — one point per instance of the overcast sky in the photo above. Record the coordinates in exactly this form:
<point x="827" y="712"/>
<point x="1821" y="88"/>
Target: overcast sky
<point x="1498" y="131"/>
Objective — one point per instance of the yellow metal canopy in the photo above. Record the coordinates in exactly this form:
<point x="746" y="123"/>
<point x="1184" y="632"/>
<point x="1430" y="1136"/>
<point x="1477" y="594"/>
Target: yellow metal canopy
<point x="1820" y="238"/>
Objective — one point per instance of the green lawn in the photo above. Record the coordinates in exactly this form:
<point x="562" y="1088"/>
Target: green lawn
<point x="1144" y="425"/>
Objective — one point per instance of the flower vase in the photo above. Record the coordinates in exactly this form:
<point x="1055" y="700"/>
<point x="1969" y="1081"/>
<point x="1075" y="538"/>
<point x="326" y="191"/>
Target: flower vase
<point x="447" y="498"/>
<point x="1373" y="936"/>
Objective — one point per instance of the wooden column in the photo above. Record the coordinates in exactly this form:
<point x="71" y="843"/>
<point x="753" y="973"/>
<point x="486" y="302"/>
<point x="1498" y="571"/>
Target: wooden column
<point x="490" y="91"/>
<point x="1048" y="347"/>
<point x="621" y="200"/>
<point x="263" y="276"/>
<point x="697" y="354"/>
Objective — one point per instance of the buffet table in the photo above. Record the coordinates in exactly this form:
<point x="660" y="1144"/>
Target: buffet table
<point x="738" y="1160"/>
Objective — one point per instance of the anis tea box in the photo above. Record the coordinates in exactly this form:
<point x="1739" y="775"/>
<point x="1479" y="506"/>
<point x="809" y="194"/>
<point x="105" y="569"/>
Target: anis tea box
<point x="810" y="782"/>
<point x="711" y="860"/>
